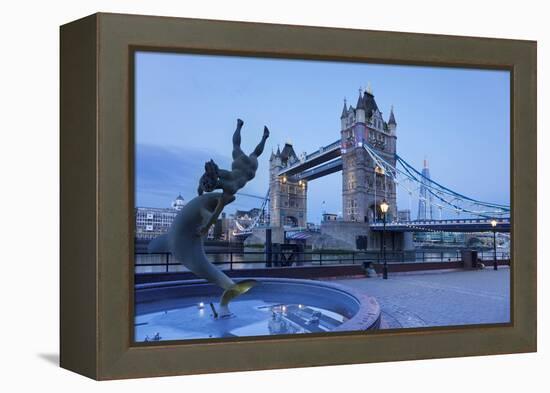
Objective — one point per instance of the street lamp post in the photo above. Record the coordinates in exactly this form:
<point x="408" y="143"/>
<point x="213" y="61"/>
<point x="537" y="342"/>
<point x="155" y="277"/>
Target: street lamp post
<point x="384" y="208"/>
<point x="494" y="225"/>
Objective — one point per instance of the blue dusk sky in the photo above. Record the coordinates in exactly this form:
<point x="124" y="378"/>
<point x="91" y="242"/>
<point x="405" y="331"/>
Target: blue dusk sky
<point x="187" y="106"/>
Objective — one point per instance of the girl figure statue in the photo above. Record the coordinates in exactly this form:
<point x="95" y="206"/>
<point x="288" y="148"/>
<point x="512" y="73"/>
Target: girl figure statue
<point x="243" y="169"/>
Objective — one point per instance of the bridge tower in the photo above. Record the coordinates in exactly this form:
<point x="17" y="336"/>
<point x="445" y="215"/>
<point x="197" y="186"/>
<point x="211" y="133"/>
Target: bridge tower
<point x="288" y="199"/>
<point x="364" y="185"/>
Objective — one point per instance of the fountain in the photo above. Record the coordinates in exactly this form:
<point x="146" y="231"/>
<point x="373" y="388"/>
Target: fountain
<point x="181" y="310"/>
<point x="196" y="309"/>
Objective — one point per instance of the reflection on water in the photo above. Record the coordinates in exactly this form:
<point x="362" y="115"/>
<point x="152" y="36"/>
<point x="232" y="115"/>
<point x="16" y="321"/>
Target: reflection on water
<point x="250" y="318"/>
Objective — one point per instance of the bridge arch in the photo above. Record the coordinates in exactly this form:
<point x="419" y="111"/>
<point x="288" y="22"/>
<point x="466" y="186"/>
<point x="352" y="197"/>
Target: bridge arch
<point x="291" y="221"/>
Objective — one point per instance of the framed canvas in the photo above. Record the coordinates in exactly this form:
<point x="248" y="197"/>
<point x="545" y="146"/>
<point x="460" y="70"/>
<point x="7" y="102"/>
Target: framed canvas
<point x="377" y="201"/>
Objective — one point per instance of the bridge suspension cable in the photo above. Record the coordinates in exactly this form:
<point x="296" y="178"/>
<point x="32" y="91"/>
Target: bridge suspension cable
<point x="449" y="199"/>
<point x="455" y="207"/>
<point x="256" y="219"/>
<point x="404" y="163"/>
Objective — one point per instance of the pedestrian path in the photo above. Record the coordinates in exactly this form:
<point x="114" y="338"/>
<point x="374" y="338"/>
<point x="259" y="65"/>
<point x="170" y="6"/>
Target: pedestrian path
<point x="440" y="299"/>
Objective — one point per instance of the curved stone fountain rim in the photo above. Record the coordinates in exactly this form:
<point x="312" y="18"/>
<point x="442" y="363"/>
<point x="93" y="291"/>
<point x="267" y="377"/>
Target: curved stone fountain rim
<point x="366" y="318"/>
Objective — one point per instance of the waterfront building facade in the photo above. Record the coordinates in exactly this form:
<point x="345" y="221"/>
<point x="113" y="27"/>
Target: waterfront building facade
<point x="153" y="221"/>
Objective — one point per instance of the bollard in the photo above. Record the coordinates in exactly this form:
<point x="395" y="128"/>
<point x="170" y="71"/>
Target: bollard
<point x="268" y="248"/>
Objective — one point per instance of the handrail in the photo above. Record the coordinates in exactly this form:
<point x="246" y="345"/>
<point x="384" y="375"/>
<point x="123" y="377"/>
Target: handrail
<point x="317" y="258"/>
<point x="505" y="220"/>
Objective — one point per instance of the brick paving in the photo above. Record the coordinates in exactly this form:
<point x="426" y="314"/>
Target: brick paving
<point x="440" y="298"/>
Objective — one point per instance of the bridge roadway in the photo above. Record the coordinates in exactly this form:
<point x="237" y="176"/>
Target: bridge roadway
<point x="319" y="171"/>
<point x="318" y="157"/>
<point x="451" y="225"/>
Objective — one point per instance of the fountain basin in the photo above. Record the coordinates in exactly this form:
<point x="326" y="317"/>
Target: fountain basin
<point x="180" y="310"/>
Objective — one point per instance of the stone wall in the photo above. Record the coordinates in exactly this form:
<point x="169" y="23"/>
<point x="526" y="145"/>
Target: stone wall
<point x="258" y="236"/>
<point x="345" y="231"/>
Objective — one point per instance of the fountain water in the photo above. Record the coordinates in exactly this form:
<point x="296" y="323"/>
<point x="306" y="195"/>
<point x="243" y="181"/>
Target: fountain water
<point x="178" y="310"/>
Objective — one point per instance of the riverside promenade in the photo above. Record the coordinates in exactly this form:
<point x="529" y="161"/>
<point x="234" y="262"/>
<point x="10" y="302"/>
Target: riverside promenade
<point x="424" y="299"/>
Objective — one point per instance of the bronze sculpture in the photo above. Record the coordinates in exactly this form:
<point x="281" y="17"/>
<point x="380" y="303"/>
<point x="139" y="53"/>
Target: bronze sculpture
<point x="185" y="239"/>
<point x="243" y="169"/>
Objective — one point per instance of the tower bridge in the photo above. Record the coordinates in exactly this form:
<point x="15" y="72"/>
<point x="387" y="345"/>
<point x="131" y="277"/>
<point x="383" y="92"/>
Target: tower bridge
<point x="366" y="155"/>
<point x="364" y="183"/>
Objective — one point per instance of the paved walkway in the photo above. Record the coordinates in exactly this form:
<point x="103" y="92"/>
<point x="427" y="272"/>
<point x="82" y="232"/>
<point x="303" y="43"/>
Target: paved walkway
<point x="440" y="299"/>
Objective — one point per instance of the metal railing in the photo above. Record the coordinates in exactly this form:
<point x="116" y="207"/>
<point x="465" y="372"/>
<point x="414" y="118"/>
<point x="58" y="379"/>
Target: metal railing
<point x="239" y="259"/>
<point x="501" y="220"/>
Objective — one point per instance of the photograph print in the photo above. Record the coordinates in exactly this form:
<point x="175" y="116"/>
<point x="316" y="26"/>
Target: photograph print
<point x="290" y="196"/>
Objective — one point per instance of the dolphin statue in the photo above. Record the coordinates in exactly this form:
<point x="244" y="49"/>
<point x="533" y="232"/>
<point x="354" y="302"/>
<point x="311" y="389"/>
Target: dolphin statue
<point x="185" y="242"/>
<point x="185" y="237"/>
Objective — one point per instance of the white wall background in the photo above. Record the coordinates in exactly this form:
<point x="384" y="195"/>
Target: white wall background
<point x="29" y="193"/>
